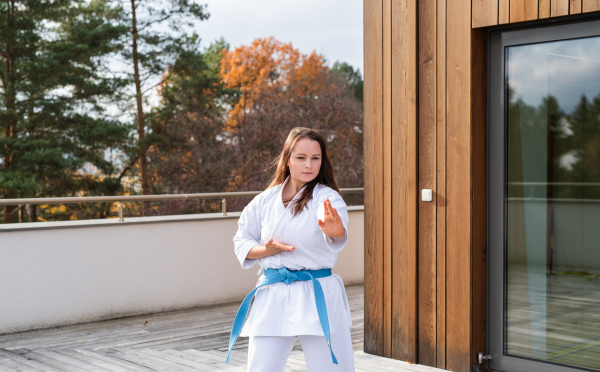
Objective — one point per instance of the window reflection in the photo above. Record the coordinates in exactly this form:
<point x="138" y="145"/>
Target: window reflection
<point x="553" y="202"/>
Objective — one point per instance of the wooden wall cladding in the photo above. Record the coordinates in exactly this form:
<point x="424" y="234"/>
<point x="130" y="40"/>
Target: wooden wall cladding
<point x="458" y="186"/>
<point x="496" y="12"/>
<point x="425" y="127"/>
<point x="559" y="8"/>
<point x="427" y="229"/>
<point x="420" y="130"/>
<point x="404" y="57"/>
<point x="590" y="6"/>
<point x="374" y="205"/>
<point x="440" y="190"/>
<point x="523" y="10"/>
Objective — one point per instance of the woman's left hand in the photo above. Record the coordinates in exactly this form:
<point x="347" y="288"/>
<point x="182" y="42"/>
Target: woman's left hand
<point x="331" y="225"/>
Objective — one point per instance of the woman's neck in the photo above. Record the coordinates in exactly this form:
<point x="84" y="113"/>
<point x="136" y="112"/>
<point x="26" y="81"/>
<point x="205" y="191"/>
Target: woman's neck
<point x="295" y="186"/>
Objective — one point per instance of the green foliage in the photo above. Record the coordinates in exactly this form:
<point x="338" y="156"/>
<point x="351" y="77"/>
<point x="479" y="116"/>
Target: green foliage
<point x="346" y="73"/>
<point x="569" y="141"/>
<point x="188" y="153"/>
<point x="154" y="48"/>
<point x="64" y="71"/>
<point x="53" y="95"/>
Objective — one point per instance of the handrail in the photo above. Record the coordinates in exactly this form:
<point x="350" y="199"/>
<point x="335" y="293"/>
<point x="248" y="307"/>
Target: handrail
<point x="554" y="183"/>
<point x="124" y="198"/>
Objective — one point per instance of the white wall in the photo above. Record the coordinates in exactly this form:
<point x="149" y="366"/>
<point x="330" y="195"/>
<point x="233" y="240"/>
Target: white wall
<point x="72" y="272"/>
<point x="576" y="235"/>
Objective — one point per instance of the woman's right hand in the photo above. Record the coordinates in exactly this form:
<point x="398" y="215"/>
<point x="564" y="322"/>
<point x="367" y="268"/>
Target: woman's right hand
<point x="270" y="248"/>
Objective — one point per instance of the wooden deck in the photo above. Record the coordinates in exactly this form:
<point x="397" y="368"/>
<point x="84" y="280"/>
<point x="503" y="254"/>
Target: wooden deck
<point x="554" y="317"/>
<point x="189" y="340"/>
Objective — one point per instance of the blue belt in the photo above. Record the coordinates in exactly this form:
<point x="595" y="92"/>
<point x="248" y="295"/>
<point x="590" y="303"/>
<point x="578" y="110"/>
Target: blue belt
<point x="286" y="276"/>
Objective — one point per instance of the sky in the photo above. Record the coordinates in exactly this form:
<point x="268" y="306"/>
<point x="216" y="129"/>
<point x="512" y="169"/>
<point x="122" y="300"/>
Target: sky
<point x="332" y="28"/>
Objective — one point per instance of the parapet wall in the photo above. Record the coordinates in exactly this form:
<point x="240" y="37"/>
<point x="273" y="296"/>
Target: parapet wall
<point x="61" y="273"/>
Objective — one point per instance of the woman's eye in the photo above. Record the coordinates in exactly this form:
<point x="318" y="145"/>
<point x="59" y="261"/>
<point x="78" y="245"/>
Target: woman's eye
<point x="300" y="158"/>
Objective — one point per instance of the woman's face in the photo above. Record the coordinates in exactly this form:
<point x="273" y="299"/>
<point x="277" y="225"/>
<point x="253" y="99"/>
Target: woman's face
<point x="305" y="160"/>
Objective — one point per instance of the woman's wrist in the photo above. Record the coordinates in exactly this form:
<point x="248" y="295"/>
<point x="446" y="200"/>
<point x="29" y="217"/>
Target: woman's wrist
<point x="256" y="252"/>
<point x="337" y="237"/>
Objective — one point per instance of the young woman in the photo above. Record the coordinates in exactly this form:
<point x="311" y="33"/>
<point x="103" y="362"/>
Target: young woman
<point x="294" y="230"/>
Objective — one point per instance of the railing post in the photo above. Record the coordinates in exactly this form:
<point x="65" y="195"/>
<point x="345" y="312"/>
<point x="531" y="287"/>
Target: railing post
<point x="224" y="206"/>
<point x="121" y="212"/>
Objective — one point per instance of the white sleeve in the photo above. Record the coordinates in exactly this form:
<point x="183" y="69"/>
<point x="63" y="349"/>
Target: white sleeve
<point x="338" y="203"/>
<point x="248" y="234"/>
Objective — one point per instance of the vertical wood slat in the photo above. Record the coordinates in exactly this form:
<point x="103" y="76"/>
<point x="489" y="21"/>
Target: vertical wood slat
<point x="544" y="11"/>
<point x="479" y="209"/>
<point x="523" y="10"/>
<point x="373" y="97"/>
<point x="459" y="186"/>
<point x="440" y="198"/>
<point x="559" y="8"/>
<point x="427" y="296"/>
<point x="387" y="177"/>
<point x="404" y="179"/>
<point x="590" y="5"/>
<point x="485" y="13"/>
<point x="575" y="6"/>
<point x="504" y="11"/>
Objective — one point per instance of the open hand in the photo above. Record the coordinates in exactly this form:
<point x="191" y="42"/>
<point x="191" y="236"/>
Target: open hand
<point x="270" y="248"/>
<point x="332" y="224"/>
<point x="273" y="248"/>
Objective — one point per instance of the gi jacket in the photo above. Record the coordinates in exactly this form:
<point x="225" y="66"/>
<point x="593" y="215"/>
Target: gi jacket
<point x="289" y="310"/>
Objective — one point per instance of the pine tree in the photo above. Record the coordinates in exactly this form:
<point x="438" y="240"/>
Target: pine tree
<point x="158" y="37"/>
<point x="54" y="91"/>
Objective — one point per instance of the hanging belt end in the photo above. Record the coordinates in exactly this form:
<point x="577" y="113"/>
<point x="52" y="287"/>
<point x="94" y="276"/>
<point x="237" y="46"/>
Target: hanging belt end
<point x="333" y="356"/>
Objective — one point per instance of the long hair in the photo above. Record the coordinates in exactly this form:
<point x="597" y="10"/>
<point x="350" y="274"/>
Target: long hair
<point x="325" y="176"/>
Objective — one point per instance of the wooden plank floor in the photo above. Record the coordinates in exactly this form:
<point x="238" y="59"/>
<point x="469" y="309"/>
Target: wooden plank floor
<point x="187" y="340"/>
<point x="554" y="317"/>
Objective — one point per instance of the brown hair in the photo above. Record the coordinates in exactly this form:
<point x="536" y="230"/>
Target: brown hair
<point x="325" y="176"/>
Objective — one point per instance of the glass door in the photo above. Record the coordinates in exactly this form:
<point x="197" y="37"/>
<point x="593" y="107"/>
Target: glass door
<point x="544" y="142"/>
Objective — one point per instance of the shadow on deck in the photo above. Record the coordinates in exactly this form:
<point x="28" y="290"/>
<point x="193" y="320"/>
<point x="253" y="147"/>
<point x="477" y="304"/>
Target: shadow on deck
<point x="187" y="340"/>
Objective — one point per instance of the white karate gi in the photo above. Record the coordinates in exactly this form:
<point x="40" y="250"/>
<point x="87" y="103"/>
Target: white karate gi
<point x="289" y="310"/>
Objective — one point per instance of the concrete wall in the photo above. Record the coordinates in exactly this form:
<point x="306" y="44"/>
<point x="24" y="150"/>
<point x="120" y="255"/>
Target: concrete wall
<point x="62" y="273"/>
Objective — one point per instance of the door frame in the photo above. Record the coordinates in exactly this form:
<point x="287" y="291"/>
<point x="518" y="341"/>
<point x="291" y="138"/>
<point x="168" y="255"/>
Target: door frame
<point x="497" y="147"/>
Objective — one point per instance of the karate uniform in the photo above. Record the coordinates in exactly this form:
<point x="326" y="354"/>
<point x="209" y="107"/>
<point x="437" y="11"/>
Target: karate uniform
<point x="289" y="310"/>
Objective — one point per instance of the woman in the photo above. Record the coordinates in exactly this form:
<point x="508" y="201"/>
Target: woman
<point x="295" y="229"/>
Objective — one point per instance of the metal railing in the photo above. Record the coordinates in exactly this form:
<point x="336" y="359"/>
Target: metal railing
<point x="121" y="199"/>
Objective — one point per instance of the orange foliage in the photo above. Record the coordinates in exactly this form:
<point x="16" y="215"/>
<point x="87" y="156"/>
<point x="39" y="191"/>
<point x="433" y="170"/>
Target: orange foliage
<point x="270" y="66"/>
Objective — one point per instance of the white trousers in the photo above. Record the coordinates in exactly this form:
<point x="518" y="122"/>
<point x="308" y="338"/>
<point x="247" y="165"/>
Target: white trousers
<point x="270" y="353"/>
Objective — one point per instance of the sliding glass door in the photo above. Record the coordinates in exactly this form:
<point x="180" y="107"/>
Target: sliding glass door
<point x="544" y="200"/>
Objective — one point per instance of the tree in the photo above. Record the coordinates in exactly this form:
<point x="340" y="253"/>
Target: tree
<point x="351" y="77"/>
<point x="154" y="47"/>
<point x="188" y="152"/>
<point x="280" y="89"/>
<point x="53" y="92"/>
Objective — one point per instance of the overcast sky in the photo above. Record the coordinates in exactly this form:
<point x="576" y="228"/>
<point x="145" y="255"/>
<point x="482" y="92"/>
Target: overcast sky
<point x="333" y="28"/>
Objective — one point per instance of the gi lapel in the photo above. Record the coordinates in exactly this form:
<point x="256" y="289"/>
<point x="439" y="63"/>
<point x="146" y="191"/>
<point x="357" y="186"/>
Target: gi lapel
<point x="285" y="213"/>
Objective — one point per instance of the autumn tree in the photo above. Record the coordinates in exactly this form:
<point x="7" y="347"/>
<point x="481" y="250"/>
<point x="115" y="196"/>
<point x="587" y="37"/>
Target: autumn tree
<point x="188" y="151"/>
<point x="281" y="88"/>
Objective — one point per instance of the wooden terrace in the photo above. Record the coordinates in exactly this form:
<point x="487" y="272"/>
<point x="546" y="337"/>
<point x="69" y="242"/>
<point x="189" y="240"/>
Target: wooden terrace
<point x="187" y="340"/>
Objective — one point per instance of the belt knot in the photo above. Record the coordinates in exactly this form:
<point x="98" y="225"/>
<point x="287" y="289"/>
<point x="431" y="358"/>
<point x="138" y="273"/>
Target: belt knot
<point x="287" y="275"/>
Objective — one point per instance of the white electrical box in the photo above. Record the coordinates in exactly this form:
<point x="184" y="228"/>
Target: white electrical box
<point x="427" y="195"/>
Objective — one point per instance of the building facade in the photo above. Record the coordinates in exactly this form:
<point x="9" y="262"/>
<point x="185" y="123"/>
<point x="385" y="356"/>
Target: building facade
<point x="494" y="106"/>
